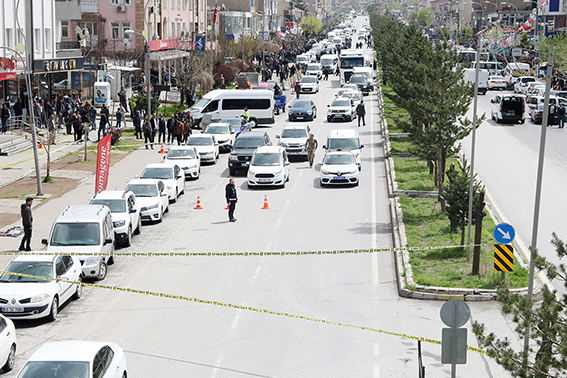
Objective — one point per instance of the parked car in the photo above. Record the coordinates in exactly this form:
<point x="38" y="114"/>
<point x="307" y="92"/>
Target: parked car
<point x="355" y="95"/>
<point x="341" y="108"/>
<point x="170" y="174"/>
<point x="309" y="84"/>
<point x="33" y="297"/>
<point x="302" y="110"/>
<point x="509" y="108"/>
<point x="338" y="168"/>
<point x="293" y="139"/>
<point x="244" y="148"/>
<point x="269" y="166"/>
<point x="522" y="81"/>
<point x="536" y="113"/>
<point x="152" y="198"/>
<point x="187" y="158"/>
<point x="125" y="213"/>
<point x="497" y="82"/>
<point x="207" y="147"/>
<point x="315" y="69"/>
<point x="76" y="359"/>
<point x="361" y="83"/>
<point x="223" y="133"/>
<point x="525" y="89"/>
<point x="8" y="344"/>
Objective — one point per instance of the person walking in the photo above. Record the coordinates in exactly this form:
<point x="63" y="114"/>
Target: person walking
<point x="120" y="116"/>
<point x="138" y="124"/>
<point x="148" y="134"/>
<point x="51" y="130"/>
<point x="170" y="129"/>
<point x="297" y="89"/>
<point x="361" y="112"/>
<point x="5" y="118"/>
<point x="27" y="222"/>
<point x="231" y="199"/>
<point x="310" y="146"/>
<point x="123" y="100"/>
<point x="18" y="111"/>
<point x="102" y="124"/>
<point x="161" y="128"/>
<point x="561" y="115"/>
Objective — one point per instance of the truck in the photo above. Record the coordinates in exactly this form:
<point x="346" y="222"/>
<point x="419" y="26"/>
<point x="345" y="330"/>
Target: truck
<point x="469" y="75"/>
<point x="247" y="80"/>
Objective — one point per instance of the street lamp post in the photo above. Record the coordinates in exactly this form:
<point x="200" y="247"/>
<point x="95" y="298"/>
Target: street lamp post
<point x="149" y="81"/>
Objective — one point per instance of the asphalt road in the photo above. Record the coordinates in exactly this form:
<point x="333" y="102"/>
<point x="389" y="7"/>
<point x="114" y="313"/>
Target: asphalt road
<point x="174" y="338"/>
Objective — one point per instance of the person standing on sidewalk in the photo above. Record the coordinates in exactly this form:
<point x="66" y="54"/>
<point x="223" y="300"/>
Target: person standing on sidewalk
<point x="5" y="118"/>
<point x="120" y="116"/>
<point x="231" y="199"/>
<point x="171" y="129"/>
<point x="161" y="127"/>
<point x="137" y="119"/>
<point x="102" y="124"/>
<point x="148" y="134"/>
<point x="561" y="115"/>
<point x="361" y="112"/>
<point x="122" y="97"/>
<point x="310" y="146"/>
<point x="27" y="222"/>
<point x="18" y="111"/>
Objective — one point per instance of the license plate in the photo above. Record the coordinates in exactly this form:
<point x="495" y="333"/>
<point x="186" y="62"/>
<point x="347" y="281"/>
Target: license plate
<point x="12" y="309"/>
<point x="299" y="117"/>
<point x="339" y="178"/>
<point x="264" y="180"/>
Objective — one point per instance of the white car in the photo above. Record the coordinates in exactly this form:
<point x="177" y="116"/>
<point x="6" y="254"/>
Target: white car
<point x="497" y="82"/>
<point x="125" y="213"/>
<point x="341" y="108"/>
<point x="7" y="344"/>
<point x="355" y="95"/>
<point x="151" y="196"/>
<point x="206" y="145"/>
<point x="293" y="139"/>
<point x="269" y="166"/>
<point x="76" y="359"/>
<point x="170" y="174"/>
<point x="187" y="158"/>
<point x="33" y="298"/>
<point x="525" y="89"/>
<point x="309" y="84"/>
<point x="339" y="167"/>
<point x="350" y="87"/>
<point x="315" y="69"/>
<point x="223" y="133"/>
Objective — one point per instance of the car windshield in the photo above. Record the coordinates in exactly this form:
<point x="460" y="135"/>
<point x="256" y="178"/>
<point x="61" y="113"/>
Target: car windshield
<point x="339" y="159"/>
<point x="193" y="141"/>
<point x="217" y="130"/>
<point x="327" y="61"/>
<point x="267" y="159"/>
<point x="344" y="102"/>
<point x="294" y="133"/>
<point x="115" y="205"/>
<point x="248" y="143"/>
<point x="314" y="67"/>
<point x="181" y="154"/>
<point x="33" y="268"/>
<point x="200" y="104"/>
<point x="55" y="369"/>
<point x="358" y="79"/>
<point x="308" y="79"/>
<point x="353" y="95"/>
<point x="66" y="234"/>
<point x="352" y="87"/>
<point x="143" y="190"/>
<point x="343" y="143"/>
<point x="157" y="173"/>
<point x="234" y="122"/>
<point x="302" y="104"/>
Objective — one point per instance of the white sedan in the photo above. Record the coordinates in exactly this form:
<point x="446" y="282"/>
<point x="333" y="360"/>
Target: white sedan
<point x="224" y="134"/>
<point x="151" y="197"/>
<point x="170" y="174"/>
<point x="7" y="344"/>
<point x="339" y="167"/>
<point x="24" y="297"/>
<point x="496" y="82"/>
<point x="187" y="158"/>
<point x="206" y="145"/>
<point x="84" y="359"/>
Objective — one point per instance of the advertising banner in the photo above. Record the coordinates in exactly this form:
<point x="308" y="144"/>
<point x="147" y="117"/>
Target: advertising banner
<point x="102" y="163"/>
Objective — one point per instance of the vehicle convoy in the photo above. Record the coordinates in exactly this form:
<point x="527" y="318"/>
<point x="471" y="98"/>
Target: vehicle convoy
<point x="469" y="77"/>
<point x="85" y="229"/>
<point x="244" y="148"/>
<point x="509" y="108"/>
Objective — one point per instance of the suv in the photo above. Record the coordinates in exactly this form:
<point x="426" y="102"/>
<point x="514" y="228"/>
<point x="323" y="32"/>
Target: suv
<point x="244" y="148"/>
<point x="124" y="211"/>
<point x="293" y="139"/>
<point x="522" y="81"/>
<point x="361" y="83"/>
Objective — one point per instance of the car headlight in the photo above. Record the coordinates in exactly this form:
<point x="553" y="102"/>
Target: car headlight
<point x="91" y="260"/>
<point x="39" y="298"/>
<point x="353" y="172"/>
<point x="232" y="157"/>
<point x="324" y="171"/>
<point x="279" y="172"/>
<point x="154" y="206"/>
<point x="283" y="144"/>
<point x="119" y="223"/>
<point x="310" y="111"/>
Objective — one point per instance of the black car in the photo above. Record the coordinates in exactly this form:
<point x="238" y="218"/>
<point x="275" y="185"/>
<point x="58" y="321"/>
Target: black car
<point x="244" y="147"/>
<point x="361" y="83"/>
<point x="302" y="110"/>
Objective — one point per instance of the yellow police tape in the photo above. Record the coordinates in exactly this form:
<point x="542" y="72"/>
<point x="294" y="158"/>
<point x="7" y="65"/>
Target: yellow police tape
<point x="226" y="254"/>
<point x="238" y="307"/>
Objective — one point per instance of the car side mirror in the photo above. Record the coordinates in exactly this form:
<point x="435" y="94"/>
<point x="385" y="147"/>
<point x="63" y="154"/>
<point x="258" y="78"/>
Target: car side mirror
<point x="277" y="137"/>
<point x="492" y="101"/>
<point x="44" y="241"/>
<point x="319" y="163"/>
<point x="328" y="106"/>
<point x="107" y="241"/>
<point x="324" y="147"/>
<point x="362" y="146"/>
<point x="164" y="157"/>
<point x="137" y="176"/>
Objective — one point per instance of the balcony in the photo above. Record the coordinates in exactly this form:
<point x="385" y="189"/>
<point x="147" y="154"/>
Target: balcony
<point x="68" y="45"/>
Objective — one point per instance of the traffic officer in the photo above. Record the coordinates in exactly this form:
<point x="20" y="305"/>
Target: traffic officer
<point x="246" y="114"/>
<point x="310" y="146"/>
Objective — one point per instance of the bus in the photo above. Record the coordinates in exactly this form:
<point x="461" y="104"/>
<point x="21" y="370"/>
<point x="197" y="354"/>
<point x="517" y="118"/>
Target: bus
<point x="350" y="59"/>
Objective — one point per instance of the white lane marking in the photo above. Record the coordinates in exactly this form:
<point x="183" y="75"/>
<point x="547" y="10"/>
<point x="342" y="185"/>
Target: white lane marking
<point x="376" y="349"/>
<point x="296" y="181"/>
<point x="376" y="371"/>
<point x="373" y="256"/>
<point x="236" y="319"/>
<point x="218" y="362"/>
<point x="256" y="273"/>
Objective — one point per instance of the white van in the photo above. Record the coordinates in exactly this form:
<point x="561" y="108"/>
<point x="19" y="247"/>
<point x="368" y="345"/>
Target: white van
<point x="514" y="70"/>
<point x="493" y="68"/>
<point x="230" y="103"/>
<point x="330" y="61"/>
<point x="84" y="229"/>
<point x="469" y="77"/>
<point x="345" y="139"/>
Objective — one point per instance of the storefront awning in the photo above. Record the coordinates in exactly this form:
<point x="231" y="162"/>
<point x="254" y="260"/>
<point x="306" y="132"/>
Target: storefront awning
<point x="160" y="56"/>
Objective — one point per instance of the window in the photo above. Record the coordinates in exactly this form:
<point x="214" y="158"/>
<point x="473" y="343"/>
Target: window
<point x="173" y="4"/>
<point x="184" y="4"/>
<point x="3" y="324"/>
<point x="47" y="39"/>
<point x="8" y="37"/>
<point x="178" y="4"/>
<point x="114" y="2"/>
<point x="37" y="39"/>
<point x="173" y="29"/>
<point x="126" y="26"/>
<point x="115" y="30"/>
<point x="59" y="267"/>
<point x="178" y="30"/>
<point x="64" y="29"/>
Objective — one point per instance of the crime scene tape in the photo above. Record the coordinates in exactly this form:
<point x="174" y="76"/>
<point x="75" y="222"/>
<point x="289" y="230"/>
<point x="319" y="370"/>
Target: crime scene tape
<point x="226" y="254"/>
<point x="239" y="307"/>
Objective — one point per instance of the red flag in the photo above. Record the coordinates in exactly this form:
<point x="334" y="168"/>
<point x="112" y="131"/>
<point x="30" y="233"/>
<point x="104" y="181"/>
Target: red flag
<point x="215" y="14"/>
<point x="102" y="163"/>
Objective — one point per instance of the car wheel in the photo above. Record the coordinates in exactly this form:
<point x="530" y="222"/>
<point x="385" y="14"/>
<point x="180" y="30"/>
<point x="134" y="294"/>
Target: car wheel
<point x="138" y="229"/>
<point x="128" y="239"/>
<point x="356" y="183"/>
<point x="102" y="270"/>
<point x="79" y="290"/>
<point x="166" y="209"/>
<point x="253" y="123"/>
<point x="11" y="361"/>
<point x="328" y="119"/>
<point x="174" y="199"/>
<point x="54" y="310"/>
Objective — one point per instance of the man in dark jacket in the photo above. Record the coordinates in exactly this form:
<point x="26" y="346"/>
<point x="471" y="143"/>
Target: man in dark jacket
<point x="161" y="128"/>
<point x="297" y="89"/>
<point x="27" y="222"/>
<point x="137" y="124"/>
<point x="18" y="111"/>
<point x="361" y="112"/>
<point x="170" y="129"/>
<point x="231" y="199"/>
<point x="5" y="118"/>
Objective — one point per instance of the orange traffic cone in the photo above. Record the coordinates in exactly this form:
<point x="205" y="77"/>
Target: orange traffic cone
<point x="266" y="206"/>
<point x="40" y="145"/>
<point x="198" y="207"/>
<point x="162" y="151"/>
